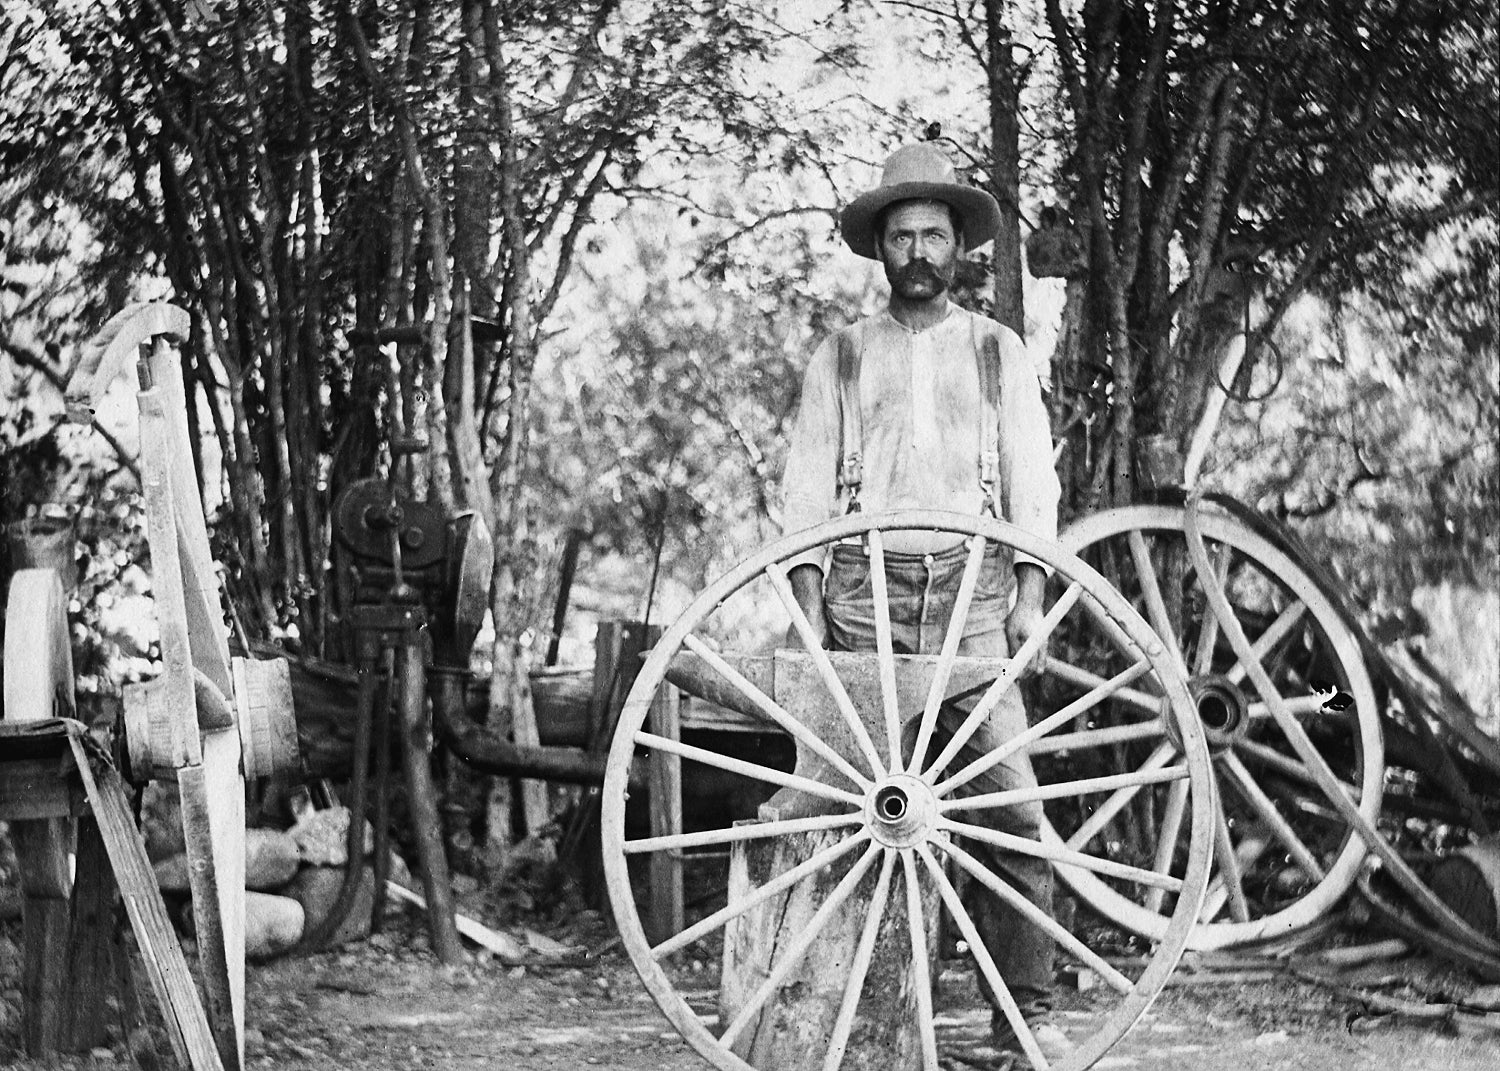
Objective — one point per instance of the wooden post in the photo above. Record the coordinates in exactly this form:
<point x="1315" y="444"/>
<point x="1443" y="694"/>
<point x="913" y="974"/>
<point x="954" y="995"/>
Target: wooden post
<point x="91" y="944"/>
<point x="416" y="749"/>
<point x="618" y="648"/>
<point x="791" y="1032"/>
<point x="666" y="816"/>
<point x="42" y="852"/>
<point x="535" y="807"/>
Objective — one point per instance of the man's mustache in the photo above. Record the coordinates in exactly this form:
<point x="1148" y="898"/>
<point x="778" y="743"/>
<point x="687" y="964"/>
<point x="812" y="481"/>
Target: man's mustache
<point x="919" y="271"/>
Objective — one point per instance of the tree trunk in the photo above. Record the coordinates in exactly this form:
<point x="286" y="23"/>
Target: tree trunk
<point x="792" y="1030"/>
<point x="1005" y="174"/>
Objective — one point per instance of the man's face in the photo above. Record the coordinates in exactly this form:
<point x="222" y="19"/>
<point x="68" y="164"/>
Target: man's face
<point x="919" y="250"/>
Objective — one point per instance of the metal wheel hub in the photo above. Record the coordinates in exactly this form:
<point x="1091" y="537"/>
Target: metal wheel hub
<point x="901" y="811"/>
<point x="1222" y="708"/>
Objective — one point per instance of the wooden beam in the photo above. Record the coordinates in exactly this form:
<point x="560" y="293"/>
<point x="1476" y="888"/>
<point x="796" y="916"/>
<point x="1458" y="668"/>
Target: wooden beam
<point x="667" y="912"/>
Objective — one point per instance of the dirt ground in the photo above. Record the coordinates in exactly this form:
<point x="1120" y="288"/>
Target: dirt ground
<point x="384" y="1004"/>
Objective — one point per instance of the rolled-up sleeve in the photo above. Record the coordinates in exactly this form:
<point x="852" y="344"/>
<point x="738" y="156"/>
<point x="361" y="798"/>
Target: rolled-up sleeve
<point x="1028" y="477"/>
<point x="809" y="483"/>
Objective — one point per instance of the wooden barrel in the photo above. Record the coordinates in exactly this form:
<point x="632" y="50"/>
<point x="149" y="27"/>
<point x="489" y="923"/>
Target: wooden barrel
<point x="1468" y="881"/>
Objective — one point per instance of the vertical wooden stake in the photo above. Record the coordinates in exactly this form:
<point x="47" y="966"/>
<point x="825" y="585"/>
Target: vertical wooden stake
<point x="422" y="801"/>
<point x="666" y="816"/>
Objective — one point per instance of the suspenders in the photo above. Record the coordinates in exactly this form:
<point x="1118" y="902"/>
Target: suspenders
<point x="851" y="425"/>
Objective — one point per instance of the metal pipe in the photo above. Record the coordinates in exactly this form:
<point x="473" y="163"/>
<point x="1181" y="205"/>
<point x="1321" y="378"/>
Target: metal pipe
<point x="491" y="753"/>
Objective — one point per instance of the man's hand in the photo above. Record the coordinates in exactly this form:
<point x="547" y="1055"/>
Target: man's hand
<point x="807" y="586"/>
<point x="1026" y="616"/>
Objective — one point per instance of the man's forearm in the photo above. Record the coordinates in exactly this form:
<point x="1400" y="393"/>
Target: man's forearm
<point x="1030" y="582"/>
<point x="807" y="586"/>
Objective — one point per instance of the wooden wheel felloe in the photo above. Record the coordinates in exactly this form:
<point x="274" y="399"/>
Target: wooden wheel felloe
<point x="865" y="835"/>
<point x="1283" y="855"/>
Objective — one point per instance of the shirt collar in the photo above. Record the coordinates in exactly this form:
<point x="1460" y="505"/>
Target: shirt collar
<point x="949" y="308"/>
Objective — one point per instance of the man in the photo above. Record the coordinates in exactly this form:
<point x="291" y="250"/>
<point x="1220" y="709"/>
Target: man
<point x="928" y="420"/>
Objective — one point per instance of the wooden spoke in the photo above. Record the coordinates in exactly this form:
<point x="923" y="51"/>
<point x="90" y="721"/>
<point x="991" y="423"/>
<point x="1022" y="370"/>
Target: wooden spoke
<point x="1244" y="783"/>
<point x="774" y="711"/>
<point x="1150" y="704"/>
<point x="1127" y="785"/>
<point x="765" y="892"/>
<point x="1117" y="802"/>
<point x="944" y="668"/>
<point x="884" y="649"/>
<point x="1229" y="865"/>
<point x="1275" y="632"/>
<point x="1026" y="846"/>
<point x="916" y="925"/>
<point x="825" y="668"/>
<point x="1079" y="706"/>
<point x="1248" y="851"/>
<point x="1055" y="930"/>
<point x="1156" y="608"/>
<point x="860" y="968"/>
<point x="799" y="947"/>
<point x="1166" y="839"/>
<point x="748" y="769"/>
<point x="985" y="961"/>
<point x="1283" y="764"/>
<point x="1116" y="734"/>
<point x="1003" y="682"/>
<point x="755" y="831"/>
<point x="1208" y="634"/>
<point x="1300" y="706"/>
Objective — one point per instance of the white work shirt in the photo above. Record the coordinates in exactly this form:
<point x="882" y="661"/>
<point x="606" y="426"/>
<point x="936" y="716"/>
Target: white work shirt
<point x="921" y="404"/>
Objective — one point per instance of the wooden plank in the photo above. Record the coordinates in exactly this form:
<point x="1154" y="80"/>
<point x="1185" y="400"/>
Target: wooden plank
<point x="172" y="701"/>
<point x="801" y="691"/>
<point x="166" y="967"/>
<point x="618" y="647"/>
<point x="32" y="789"/>
<point x="213" y="822"/>
<point x="42" y="849"/>
<point x="208" y="636"/>
<point x="535" y="807"/>
<point x="701" y="714"/>
<point x="42" y="854"/>
<point x="89" y="966"/>
<point x="44" y="926"/>
<point x="666" y="916"/>
<point x="697" y="679"/>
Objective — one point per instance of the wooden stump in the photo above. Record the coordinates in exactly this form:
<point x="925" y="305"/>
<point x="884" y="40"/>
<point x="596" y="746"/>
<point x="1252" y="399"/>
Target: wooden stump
<point x="792" y="1030"/>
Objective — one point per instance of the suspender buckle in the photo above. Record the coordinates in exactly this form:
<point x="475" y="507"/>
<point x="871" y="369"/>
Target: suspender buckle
<point x="989" y="476"/>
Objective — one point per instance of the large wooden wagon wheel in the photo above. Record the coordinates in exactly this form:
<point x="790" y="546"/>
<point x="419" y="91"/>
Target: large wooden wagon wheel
<point x="1283" y="854"/>
<point x="872" y="822"/>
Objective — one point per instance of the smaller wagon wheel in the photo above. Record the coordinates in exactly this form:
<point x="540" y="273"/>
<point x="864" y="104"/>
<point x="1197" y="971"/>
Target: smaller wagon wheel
<point x="886" y="807"/>
<point x="1282" y="854"/>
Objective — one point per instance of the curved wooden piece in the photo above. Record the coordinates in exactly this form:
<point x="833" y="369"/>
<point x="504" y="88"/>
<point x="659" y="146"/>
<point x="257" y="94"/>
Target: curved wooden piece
<point x="898" y="805"/>
<point x="165" y="736"/>
<point x="113" y="350"/>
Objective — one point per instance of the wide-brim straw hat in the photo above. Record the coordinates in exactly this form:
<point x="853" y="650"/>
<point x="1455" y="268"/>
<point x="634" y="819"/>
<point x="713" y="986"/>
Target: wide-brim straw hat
<point x="920" y="172"/>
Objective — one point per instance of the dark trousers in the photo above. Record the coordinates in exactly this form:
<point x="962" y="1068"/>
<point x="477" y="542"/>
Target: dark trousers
<point x="921" y="590"/>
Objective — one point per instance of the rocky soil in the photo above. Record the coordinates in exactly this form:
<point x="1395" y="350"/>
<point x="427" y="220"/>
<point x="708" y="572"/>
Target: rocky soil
<point x="384" y="1004"/>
